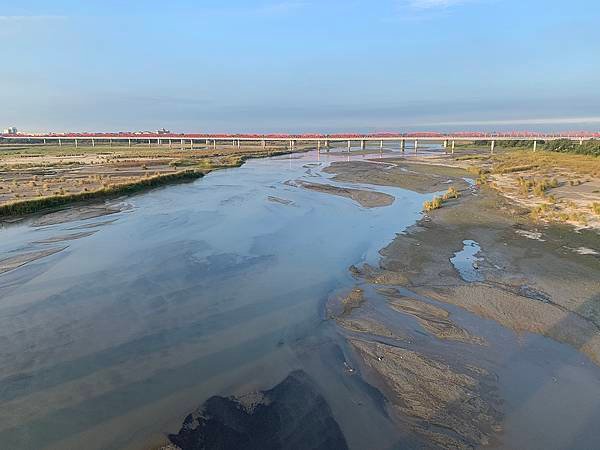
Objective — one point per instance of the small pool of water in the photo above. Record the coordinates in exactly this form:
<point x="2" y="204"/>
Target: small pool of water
<point x="466" y="262"/>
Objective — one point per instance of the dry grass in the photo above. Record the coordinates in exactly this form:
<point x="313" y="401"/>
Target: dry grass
<point x="438" y="202"/>
<point x="520" y="160"/>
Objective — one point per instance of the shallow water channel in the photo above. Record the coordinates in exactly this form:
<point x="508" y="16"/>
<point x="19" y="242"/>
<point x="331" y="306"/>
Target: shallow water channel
<point x="212" y="287"/>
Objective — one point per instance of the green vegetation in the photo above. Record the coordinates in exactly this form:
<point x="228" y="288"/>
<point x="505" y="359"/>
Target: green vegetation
<point x="62" y="197"/>
<point x="591" y="148"/>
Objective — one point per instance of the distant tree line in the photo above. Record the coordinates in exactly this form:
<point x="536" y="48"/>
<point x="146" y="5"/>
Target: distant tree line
<point x="568" y="146"/>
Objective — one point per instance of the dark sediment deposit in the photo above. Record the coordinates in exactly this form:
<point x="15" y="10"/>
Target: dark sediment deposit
<point x="292" y="415"/>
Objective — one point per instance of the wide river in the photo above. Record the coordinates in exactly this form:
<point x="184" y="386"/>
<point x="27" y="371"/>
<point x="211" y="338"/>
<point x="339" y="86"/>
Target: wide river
<point x="212" y="287"/>
<point x="218" y="287"/>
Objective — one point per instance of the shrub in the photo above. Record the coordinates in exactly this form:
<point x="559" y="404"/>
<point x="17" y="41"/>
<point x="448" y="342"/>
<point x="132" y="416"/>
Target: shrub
<point x="436" y="203"/>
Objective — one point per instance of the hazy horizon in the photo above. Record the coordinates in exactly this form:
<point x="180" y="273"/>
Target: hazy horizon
<point x="300" y="66"/>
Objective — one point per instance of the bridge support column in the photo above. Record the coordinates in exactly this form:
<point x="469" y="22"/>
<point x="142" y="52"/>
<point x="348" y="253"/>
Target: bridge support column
<point x="453" y="145"/>
<point x="362" y="144"/>
<point x="44" y="141"/>
<point x="214" y="144"/>
<point x="580" y="141"/>
<point x="170" y="143"/>
<point x="349" y="146"/>
<point x="492" y="147"/>
<point x="402" y="145"/>
<point x="318" y="146"/>
<point x="129" y="143"/>
<point x="110" y="142"/>
<point x="534" y="146"/>
<point x="264" y="143"/>
<point x="60" y="143"/>
<point x="381" y="145"/>
<point x="76" y="143"/>
<point x="191" y="144"/>
<point x="416" y="145"/>
<point x="93" y="142"/>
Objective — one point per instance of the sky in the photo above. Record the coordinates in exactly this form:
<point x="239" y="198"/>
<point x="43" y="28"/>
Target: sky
<point x="300" y="65"/>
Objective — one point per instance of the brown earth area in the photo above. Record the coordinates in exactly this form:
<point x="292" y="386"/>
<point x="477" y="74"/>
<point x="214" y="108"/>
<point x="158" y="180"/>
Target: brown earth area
<point x="32" y="173"/>
<point x="532" y="277"/>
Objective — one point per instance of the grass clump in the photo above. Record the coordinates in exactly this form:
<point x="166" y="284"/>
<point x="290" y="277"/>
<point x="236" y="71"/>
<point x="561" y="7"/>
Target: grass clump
<point x="438" y="202"/>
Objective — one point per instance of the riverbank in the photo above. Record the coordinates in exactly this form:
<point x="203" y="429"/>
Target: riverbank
<point x="33" y="179"/>
<point x="484" y="254"/>
<point x="553" y="187"/>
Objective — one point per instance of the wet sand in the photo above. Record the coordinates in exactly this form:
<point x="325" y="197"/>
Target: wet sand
<point x="14" y="262"/>
<point x="366" y="199"/>
<point x="525" y="277"/>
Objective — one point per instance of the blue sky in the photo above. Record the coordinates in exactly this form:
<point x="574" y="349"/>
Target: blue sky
<point x="300" y="66"/>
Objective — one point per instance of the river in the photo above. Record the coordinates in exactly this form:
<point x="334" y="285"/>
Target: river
<point x="212" y="287"/>
<point x="217" y="287"/>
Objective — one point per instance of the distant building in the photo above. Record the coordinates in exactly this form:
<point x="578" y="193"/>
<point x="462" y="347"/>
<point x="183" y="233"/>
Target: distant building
<point x="163" y="131"/>
<point x="10" y="130"/>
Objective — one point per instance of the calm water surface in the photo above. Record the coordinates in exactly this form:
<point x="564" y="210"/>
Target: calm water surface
<point x="200" y="289"/>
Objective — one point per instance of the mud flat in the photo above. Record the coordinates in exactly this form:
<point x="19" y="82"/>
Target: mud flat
<point x="538" y="285"/>
<point x="478" y="258"/>
<point x="416" y="177"/>
<point x="366" y="199"/>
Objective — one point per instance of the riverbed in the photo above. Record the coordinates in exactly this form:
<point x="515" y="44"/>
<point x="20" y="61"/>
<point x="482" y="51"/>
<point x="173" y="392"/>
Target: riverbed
<point x="120" y="324"/>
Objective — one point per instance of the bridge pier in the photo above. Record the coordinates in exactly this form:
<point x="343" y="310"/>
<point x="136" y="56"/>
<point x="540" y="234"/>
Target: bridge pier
<point x="264" y="143"/>
<point x="381" y="145"/>
<point x="129" y="143"/>
<point x="416" y="145"/>
<point x="492" y="147"/>
<point x="402" y="145"/>
<point x="60" y="142"/>
<point x="93" y="142"/>
<point x="349" y="146"/>
<point x="453" y="145"/>
<point x="362" y="144"/>
<point x="580" y="141"/>
<point x="319" y="146"/>
<point x="534" y="146"/>
<point x="76" y="143"/>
